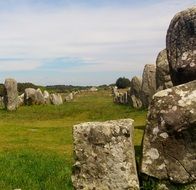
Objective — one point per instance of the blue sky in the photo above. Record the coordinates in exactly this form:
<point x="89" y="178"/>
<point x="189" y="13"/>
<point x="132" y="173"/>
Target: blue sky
<point x="82" y="42"/>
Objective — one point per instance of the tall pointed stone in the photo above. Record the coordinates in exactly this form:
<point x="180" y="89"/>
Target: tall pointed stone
<point x="10" y="94"/>
<point x="148" y="84"/>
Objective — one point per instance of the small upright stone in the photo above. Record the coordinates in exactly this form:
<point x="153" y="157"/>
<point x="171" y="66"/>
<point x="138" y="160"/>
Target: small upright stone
<point x="69" y="97"/>
<point x="46" y="96"/>
<point x="56" y="99"/>
<point x="21" y="100"/>
<point x="105" y="157"/>
<point x="10" y="94"/>
<point x="33" y="97"/>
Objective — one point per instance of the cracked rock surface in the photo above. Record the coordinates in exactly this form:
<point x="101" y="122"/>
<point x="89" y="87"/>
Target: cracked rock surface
<point x="169" y="143"/>
<point x="181" y="46"/>
<point x="105" y="157"/>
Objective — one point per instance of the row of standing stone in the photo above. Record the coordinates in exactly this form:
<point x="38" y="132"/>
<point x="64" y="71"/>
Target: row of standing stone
<point x="154" y="78"/>
<point x="11" y="100"/>
<point x="104" y="151"/>
<point x="31" y="96"/>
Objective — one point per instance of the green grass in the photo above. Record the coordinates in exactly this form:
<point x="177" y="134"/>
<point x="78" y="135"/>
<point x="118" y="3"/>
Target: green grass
<point x="36" y="142"/>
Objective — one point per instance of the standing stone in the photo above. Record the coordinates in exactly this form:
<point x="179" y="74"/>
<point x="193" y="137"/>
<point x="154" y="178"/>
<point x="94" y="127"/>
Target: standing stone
<point x="69" y="97"/>
<point x="105" y="157"/>
<point x="169" y="143"/>
<point x="33" y="97"/>
<point x="56" y="99"/>
<point x="163" y="79"/>
<point x="30" y="96"/>
<point x="115" y="94"/>
<point x="40" y="97"/>
<point x="125" y="100"/>
<point x="148" y="84"/>
<point x="10" y="94"/>
<point x="21" y="100"/>
<point x="181" y="46"/>
<point x="115" y="90"/>
<point x="135" y="92"/>
<point x="46" y="96"/>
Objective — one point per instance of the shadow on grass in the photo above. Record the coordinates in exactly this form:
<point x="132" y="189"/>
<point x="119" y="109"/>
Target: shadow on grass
<point x="140" y="127"/>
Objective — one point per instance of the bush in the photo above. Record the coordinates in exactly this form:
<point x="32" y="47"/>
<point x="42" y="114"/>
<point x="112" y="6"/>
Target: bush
<point x="123" y="82"/>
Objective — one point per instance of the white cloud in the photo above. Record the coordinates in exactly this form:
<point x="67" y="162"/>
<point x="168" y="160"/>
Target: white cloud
<point x="111" y="38"/>
<point x="19" y="65"/>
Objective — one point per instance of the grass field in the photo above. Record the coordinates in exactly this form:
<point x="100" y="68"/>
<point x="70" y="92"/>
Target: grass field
<point x="36" y="142"/>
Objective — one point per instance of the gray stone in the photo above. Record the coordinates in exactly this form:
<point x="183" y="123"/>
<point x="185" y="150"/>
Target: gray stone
<point x="105" y="157"/>
<point x="135" y="101"/>
<point x="33" y="97"/>
<point x="21" y="100"/>
<point x="169" y="143"/>
<point x="135" y="92"/>
<point x="40" y="97"/>
<point x="148" y="84"/>
<point x="46" y="96"/>
<point x="56" y="99"/>
<point x="163" y="79"/>
<point x="10" y="94"/>
<point x="181" y="46"/>
<point x="69" y="97"/>
<point x="93" y="89"/>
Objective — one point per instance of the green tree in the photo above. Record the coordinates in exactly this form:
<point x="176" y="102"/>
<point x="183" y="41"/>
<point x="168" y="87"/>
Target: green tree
<point x="123" y="82"/>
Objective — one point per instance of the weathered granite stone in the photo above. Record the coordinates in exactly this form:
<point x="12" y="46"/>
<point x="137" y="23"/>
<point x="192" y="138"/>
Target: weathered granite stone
<point x="163" y="79"/>
<point x="21" y="100"/>
<point x="56" y="99"/>
<point x="46" y="96"/>
<point x="115" y="90"/>
<point x="181" y="46"/>
<point x="69" y="97"/>
<point x="30" y="96"/>
<point x="40" y="97"/>
<point x="33" y="97"/>
<point x="169" y="143"/>
<point x="10" y="94"/>
<point x="105" y="157"/>
<point x="148" y="84"/>
<point x="135" y="92"/>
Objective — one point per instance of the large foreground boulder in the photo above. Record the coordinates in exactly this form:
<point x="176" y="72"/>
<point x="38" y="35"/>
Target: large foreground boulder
<point x="169" y="143"/>
<point x="135" y="92"/>
<point x="181" y="46"/>
<point x="105" y="157"/>
<point x="163" y="78"/>
<point x="10" y="94"/>
<point x="148" y="84"/>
